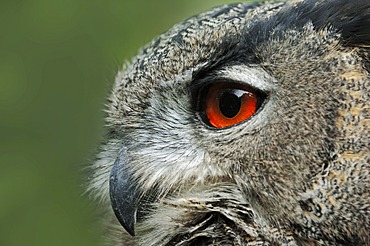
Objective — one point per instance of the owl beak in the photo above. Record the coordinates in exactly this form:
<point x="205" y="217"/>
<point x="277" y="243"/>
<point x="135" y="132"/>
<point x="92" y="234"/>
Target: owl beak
<point x="123" y="194"/>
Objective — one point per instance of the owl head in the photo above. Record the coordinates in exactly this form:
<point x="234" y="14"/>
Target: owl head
<point x="247" y="124"/>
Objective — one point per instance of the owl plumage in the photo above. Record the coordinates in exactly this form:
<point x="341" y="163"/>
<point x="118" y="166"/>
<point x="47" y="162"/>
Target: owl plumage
<point x="295" y="172"/>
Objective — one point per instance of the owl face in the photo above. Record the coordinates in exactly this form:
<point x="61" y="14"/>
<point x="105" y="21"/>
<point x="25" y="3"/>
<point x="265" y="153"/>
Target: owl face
<point x="247" y="123"/>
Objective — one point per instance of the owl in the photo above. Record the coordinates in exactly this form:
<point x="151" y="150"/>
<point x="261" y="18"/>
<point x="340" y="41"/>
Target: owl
<point x="248" y="124"/>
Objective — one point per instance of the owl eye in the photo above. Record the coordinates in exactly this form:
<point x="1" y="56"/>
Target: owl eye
<point x="226" y="104"/>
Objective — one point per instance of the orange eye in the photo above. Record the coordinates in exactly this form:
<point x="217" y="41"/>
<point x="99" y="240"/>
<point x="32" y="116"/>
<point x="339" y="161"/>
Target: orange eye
<point x="227" y="104"/>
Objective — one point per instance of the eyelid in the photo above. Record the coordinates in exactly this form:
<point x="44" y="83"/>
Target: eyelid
<point x="252" y="76"/>
<point x="256" y="77"/>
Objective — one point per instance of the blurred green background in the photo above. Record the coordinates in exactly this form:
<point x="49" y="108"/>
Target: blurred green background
<point x="58" y="60"/>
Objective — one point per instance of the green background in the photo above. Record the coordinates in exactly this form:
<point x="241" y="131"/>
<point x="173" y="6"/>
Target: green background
<point x="58" y="60"/>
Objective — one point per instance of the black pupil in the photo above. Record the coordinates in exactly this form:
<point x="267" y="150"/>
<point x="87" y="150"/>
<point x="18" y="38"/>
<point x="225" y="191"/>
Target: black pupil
<point x="230" y="103"/>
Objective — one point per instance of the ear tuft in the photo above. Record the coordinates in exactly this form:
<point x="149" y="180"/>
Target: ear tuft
<point x="351" y="18"/>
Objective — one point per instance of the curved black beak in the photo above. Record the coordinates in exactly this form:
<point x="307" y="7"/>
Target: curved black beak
<point x="123" y="194"/>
